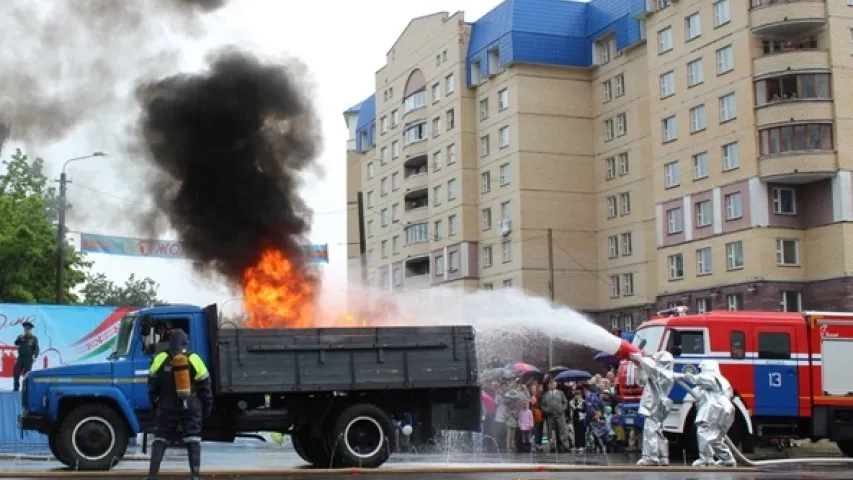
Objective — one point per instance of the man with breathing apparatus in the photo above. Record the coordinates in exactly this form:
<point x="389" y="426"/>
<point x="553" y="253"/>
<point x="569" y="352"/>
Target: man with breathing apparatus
<point x="180" y="392"/>
<point x="715" y="413"/>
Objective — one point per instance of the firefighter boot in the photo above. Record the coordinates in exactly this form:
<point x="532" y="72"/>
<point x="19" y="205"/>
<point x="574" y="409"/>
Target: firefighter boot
<point x="194" y="457"/>
<point x="158" y="449"/>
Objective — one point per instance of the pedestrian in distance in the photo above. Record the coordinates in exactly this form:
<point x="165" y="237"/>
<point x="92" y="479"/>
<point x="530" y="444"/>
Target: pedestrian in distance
<point x="28" y="351"/>
<point x="180" y="391"/>
<point x="554" y="405"/>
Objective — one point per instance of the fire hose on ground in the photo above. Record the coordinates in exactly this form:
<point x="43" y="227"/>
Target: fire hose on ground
<point x="741" y="458"/>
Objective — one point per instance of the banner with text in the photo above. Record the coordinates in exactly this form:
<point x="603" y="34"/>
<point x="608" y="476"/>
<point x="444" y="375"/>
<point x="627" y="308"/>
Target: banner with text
<point x="142" y="247"/>
<point x="66" y="334"/>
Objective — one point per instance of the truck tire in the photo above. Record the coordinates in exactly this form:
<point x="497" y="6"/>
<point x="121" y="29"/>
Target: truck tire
<point x="846" y="447"/>
<point x="92" y="437"/>
<point x="311" y="449"/>
<point x="361" y="437"/>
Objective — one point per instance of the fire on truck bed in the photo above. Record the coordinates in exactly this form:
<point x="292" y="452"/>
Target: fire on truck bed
<point x="790" y="372"/>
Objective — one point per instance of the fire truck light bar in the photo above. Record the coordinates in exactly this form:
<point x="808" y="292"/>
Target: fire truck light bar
<point x="673" y="312"/>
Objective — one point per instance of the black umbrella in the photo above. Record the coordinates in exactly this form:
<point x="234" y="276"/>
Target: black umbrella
<point x="556" y="370"/>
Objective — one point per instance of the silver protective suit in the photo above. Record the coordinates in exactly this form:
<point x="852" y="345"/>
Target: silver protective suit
<point x="657" y="380"/>
<point x="715" y="413"/>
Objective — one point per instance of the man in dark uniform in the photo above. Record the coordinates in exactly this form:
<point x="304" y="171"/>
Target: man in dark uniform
<point x="178" y="419"/>
<point x="28" y="351"/>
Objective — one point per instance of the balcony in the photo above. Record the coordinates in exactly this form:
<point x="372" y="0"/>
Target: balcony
<point x="791" y="60"/>
<point x="417" y="271"/>
<point x="416" y="204"/>
<point x="797" y="153"/>
<point x="416" y="172"/>
<point x="415" y="140"/>
<point x="417" y="239"/>
<point x="802" y="98"/>
<point x="787" y="18"/>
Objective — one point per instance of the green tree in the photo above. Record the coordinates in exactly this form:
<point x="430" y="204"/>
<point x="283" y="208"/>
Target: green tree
<point x="136" y="292"/>
<point x="28" y="236"/>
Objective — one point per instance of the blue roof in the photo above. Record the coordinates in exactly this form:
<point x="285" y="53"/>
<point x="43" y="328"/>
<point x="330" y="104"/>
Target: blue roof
<point x="545" y="32"/>
<point x="353" y="109"/>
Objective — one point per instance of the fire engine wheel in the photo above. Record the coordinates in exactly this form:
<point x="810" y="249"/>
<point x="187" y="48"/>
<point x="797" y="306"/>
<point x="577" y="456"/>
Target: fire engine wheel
<point x="92" y="437"/>
<point x="846" y="447"/>
<point x="51" y="443"/>
<point x="311" y="449"/>
<point x="361" y="437"/>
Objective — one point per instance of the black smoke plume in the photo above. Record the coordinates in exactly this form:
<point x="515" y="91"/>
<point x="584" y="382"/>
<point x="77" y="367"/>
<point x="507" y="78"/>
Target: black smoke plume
<point x="229" y="145"/>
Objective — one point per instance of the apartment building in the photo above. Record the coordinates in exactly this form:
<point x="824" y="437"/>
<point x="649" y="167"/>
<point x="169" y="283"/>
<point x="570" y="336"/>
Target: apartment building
<point x="702" y="167"/>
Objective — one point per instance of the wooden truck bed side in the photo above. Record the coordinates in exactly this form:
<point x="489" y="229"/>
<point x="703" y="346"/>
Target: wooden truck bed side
<point x="345" y="359"/>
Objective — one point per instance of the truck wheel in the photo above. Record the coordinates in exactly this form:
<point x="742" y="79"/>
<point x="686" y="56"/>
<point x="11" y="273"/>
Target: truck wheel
<point x="846" y="447"/>
<point x="51" y="443"/>
<point x="311" y="449"/>
<point x="92" y="437"/>
<point x="361" y="437"/>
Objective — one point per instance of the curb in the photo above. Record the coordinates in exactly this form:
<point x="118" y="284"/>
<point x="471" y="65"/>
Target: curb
<point x="50" y="458"/>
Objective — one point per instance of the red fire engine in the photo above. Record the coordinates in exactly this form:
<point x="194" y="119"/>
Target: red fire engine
<point x="788" y="370"/>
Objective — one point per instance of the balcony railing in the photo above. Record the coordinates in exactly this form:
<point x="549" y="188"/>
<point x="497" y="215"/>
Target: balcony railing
<point x="767" y="3"/>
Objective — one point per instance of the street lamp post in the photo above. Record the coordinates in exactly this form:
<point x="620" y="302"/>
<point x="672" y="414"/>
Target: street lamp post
<point x="60" y="229"/>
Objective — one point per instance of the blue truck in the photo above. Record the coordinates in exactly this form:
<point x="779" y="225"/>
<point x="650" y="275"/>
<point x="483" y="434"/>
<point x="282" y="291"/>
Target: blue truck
<point x="334" y="390"/>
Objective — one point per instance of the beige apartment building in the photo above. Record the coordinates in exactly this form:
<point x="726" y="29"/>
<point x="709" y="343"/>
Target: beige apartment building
<point x="686" y="152"/>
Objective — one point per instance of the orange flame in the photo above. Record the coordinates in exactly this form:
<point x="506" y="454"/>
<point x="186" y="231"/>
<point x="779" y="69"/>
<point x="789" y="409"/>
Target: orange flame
<point x="278" y="295"/>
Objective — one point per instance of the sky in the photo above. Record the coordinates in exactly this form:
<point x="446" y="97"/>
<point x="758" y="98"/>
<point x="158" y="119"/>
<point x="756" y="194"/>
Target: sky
<point x="341" y="43"/>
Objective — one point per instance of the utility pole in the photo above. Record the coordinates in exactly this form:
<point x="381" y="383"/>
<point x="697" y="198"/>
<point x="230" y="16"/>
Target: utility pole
<point x="551" y="292"/>
<point x="60" y="228"/>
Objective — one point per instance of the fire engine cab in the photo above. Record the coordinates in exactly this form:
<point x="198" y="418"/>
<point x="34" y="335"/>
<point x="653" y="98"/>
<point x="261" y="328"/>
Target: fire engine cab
<point x="791" y="372"/>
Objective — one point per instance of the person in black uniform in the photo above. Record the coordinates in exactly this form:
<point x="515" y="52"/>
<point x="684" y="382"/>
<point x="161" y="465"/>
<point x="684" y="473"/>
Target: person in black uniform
<point x="177" y="419"/>
<point x="28" y="351"/>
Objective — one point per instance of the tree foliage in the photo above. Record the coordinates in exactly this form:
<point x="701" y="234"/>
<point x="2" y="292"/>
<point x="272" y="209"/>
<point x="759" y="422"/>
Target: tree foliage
<point x="28" y="210"/>
<point x="136" y="292"/>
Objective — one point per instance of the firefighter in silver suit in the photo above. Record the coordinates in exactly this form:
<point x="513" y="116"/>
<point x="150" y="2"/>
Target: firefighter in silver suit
<point x="715" y="413"/>
<point x="657" y="381"/>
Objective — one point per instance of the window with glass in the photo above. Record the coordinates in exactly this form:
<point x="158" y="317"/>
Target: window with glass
<point x="804" y="86"/>
<point x="414" y="101"/>
<point x="796" y="138"/>
<point x="771" y="46"/>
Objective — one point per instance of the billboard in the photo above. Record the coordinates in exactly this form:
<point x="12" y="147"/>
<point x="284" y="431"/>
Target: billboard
<point x="66" y="334"/>
<point x="152" y="248"/>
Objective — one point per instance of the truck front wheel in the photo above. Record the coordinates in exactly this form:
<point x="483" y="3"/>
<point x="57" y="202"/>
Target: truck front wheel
<point x="92" y="437"/>
<point x="361" y="437"/>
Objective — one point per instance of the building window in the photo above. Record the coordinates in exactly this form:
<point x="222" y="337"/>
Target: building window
<point x="395" y="149"/>
<point x="485" y="182"/>
<point x="627" y="244"/>
<point x="484" y="146"/>
<point x="449" y="84"/>
<point x="487" y="256"/>
<point x="383" y="217"/>
<point x="784" y="201"/>
<point x="453" y="261"/>
<point x="370" y="256"/>
<point x="619" y="81"/>
<point x="507" y="283"/>
<point x="602" y="50"/>
<point x="395" y="245"/>
<point x="703" y="213"/>
<point x="438" y="231"/>
<point x="452" y="225"/>
<point x="384" y="248"/>
<point x="487" y="218"/>
<point x="383" y="187"/>
<point x="734" y="255"/>
<point x="610" y="168"/>
<point x="722" y="13"/>
<point x="414" y="101"/>
<point x="695" y="72"/>
<point x="436" y="161"/>
<point x="371" y="170"/>
<point x="670" y="129"/>
<point x="622" y="160"/>
<point x="503" y="137"/>
<point x="625" y="200"/>
<point x="488" y="286"/>
<point x="665" y="40"/>
<point x="383" y="156"/>
<point x="791" y="302"/>
<point x="676" y="266"/>
<point x="436" y="195"/>
<point x="796" y="138"/>
<point x="627" y="284"/>
<point x="611" y="207"/>
<point x="700" y="166"/>
<point x="504" y="169"/>
<point x="787" y="252"/>
<point x="704" y="266"/>
<point x="439" y="265"/>
<point x="621" y="125"/>
<point x="608" y="129"/>
<point x="803" y="86"/>
<point x="451" y="189"/>
<point x="503" y="100"/>
<point x="697" y="119"/>
<point x="614" y="323"/>
<point x="667" y="84"/>
<point x="436" y="126"/>
<point x="704" y="305"/>
<point x="484" y="109"/>
<point x="385" y="282"/>
<point x="450" y="120"/>
<point x="395" y="212"/>
<point x="451" y="154"/>
<point x="725" y="60"/>
<point x="734" y="302"/>
<point x="369" y="228"/>
<point x="506" y="251"/>
<point x="607" y="89"/>
<point x="417" y="233"/>
<point x="692" y="27"/>
<point x="383" y="122"/>
<point x="728" y="108"/>
<point x="395" y="181"/>
<point x="614" y="286"/>
<point x="737" y="345"/>
<point x="671" y="175"/>
<point x="614" y="246"/>
<point x="731" y="157"/>
<point x="675" y="221"/>
<point x="369" y="199"/>
<point x="436" y="92"/>
<point x="734" y="206"/>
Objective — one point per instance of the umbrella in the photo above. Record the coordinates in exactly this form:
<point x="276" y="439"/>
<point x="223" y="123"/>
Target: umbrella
<point x="523" y="368"/>
<point x="496" y="374"/>
<point x="514" y="394"/>
<point x="573" y="376"/>
<point x="607" y="358"/>
<point x="531" y="375"/>
<point x="556" y="370"/>
<point x="488" y="403"/>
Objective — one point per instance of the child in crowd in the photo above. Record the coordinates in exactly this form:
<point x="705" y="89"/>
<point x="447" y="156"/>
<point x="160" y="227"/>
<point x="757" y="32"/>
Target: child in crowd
<point x="510" y="422"/>
<point x="617" y="421"/>
<point x="525" y="424"/>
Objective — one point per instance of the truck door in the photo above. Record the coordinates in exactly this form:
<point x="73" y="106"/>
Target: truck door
<point x="777" y="383"/>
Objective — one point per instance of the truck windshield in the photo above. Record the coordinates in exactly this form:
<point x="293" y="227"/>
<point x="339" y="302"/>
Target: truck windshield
<point x="648" y="338"/>
<point x="123" y="337"/>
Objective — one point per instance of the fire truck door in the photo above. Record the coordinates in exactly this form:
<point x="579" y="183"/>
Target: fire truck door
<point x="776" y="375"/>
